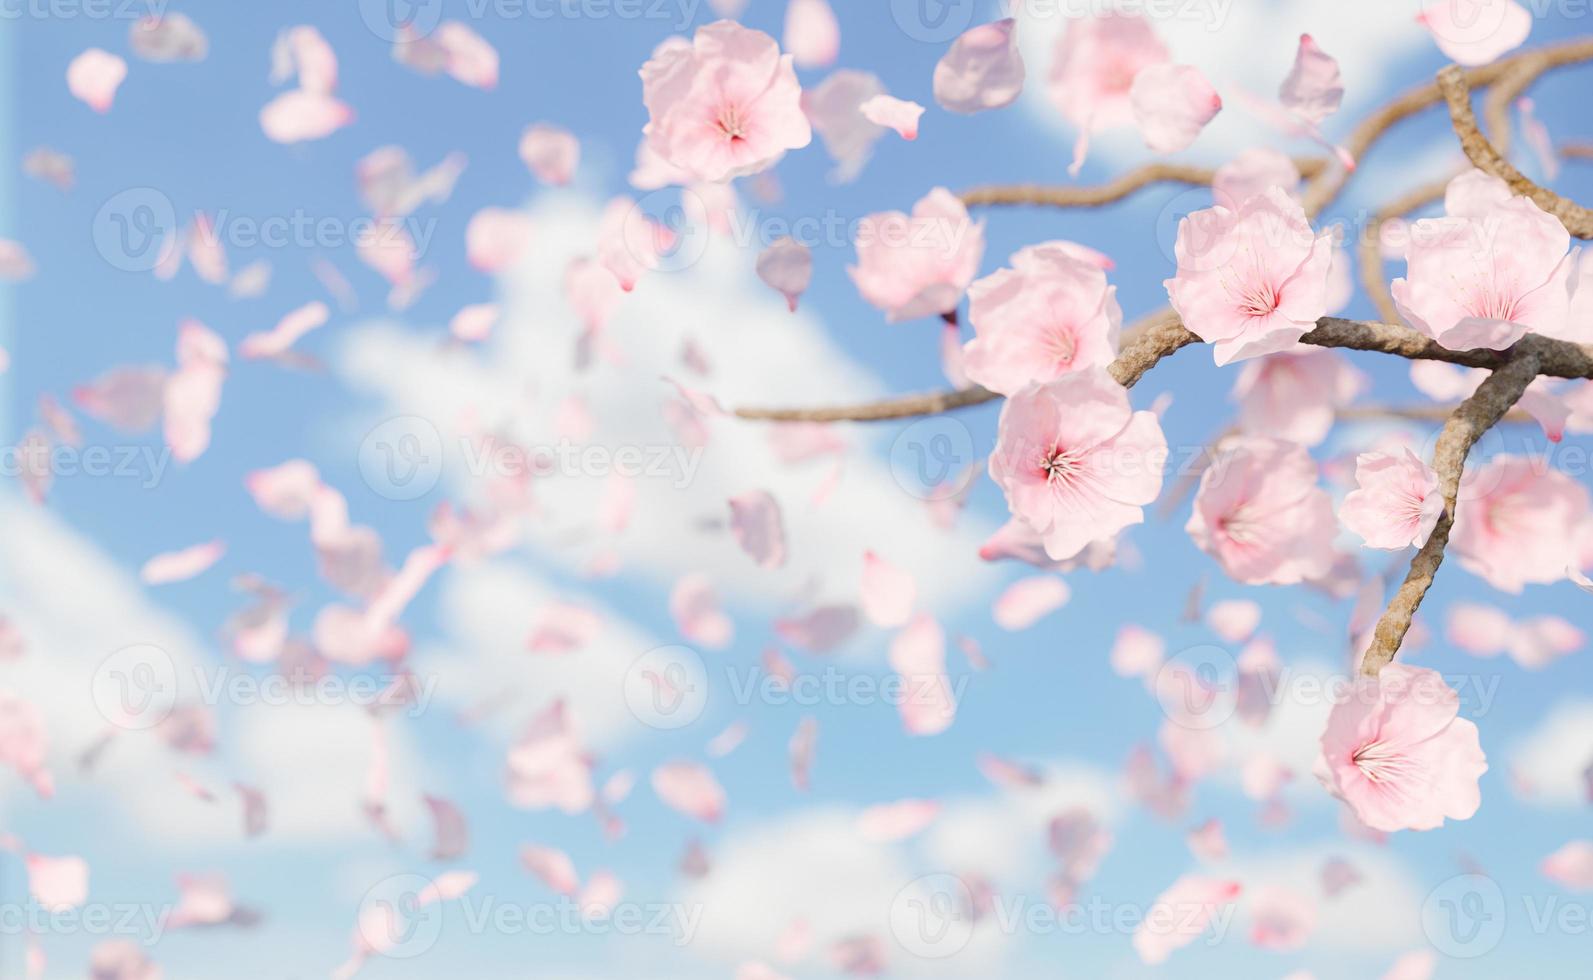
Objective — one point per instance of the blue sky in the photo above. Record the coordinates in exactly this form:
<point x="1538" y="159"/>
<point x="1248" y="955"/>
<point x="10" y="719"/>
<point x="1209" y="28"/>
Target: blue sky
<point x="190" y="133"/>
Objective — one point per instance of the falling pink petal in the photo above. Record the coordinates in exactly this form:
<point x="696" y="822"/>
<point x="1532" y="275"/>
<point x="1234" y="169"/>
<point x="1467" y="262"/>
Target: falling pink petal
<point x="801" y="749"/>
<point x="1419" y="965"/>
<point x="812" y="35"/>
<point x="689" y="788"/>
<point x="277" y="341"/>
<point x="1027" y="601"/>
<point x="1571" y="866"/>
<point x="301" y="115"/>
<point x="820" y="630"/>
<point x="1180" y="915"/>
<point x="1234" y="620"/>
<point x="179" y="566"/>
<point x="1172" y="104"/>
<point x="695" y="607"/>
<point x="787" y="267"/>
<point x="94" y="76"/>
<point x="1208" y="842"/>
<point x="564" y="627"/>
<point x="888" y="592"/>
<point x="496" y="238"/>
<point x="918" y="655"/>
<point x="193" y="393"/>
<point x="471" y="60"/>
<point x="168" y="37"/>
<point x="128" y="399"/>
<point x="891" y="822"/>
<point x="982" y="70"/>
<point x="758" y="528"/>
<point x="1313" y="91"/>
<point x="893" y="113"/>
<point x="551" y="153"/>
<point x="60" y="884"/>
<point x="1281" y="919"/>
<point x="450" y="829"/>
<point x="553" y="867"/>
<point x="474" y="323"/>
<point x="1476" y="32"/>
<point x="1137" y="652"/>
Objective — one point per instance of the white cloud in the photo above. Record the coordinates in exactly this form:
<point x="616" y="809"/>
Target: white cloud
<point x="1553" y="759"/>
<point x="1003" y="835"/>
<point x="1381" y="913"/>
<point x="759" y="353"/>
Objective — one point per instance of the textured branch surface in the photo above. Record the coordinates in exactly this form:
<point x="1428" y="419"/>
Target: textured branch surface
<point x="1492" y="400"/>
<point x="1485" y="156"/>
<point x="1166" y="334"/>
<point x="1064" y="196"/>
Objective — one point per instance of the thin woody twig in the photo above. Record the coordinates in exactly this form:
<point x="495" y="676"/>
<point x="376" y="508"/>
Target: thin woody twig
<point x="1066" y="196"/>
<point x="1577" y="219"/>
<point x="1492" y="400"/>
<point x="1167" y="334"/>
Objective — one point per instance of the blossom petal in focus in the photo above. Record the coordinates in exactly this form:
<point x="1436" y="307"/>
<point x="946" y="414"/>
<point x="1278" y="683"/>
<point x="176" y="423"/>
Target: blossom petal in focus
<point x="1172" y="104"/>
<point x="919" y="265"/>
<point x="1396" y="501"/>
<point x="1076" y="463"/>
<point x="1251" y="281"/>
<point x="1397" y="751"/>
<point x="983" y="69"/>
<point x="726" y="106"/>
<point x="1048" y="315"/>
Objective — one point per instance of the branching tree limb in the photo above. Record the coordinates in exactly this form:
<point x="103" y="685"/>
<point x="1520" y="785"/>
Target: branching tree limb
<point x="1577" y="219"/>
<point x="1066" y="196"/>
<point x="1475" y="416"/>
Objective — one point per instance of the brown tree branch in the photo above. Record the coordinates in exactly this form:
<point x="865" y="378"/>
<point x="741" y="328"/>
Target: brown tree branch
<point x="1167" y="334"/>
<point x="1577" y="151"/>
<point x="1066" y="196"/>
<point x="1492" y="400"/>
<point x="1577" y="219"/>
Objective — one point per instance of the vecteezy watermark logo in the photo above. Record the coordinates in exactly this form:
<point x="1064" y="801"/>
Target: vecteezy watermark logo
<point x="667" y="687"/>
<point x="933" y="459"/>
<point x="933" y="916"/>
<point x="134" y="229"/>
<point x="81" y="9"/>
<point x="402" y="459"/>
<point x="933" y="21"/>
<point x="391" y="20"/>
<point x="1196" y="687"/>
<point x="394" y="919"/>
<point x="667" y="230"/>
<point x="1465" y="916"/>
<point x="135" y="687"/>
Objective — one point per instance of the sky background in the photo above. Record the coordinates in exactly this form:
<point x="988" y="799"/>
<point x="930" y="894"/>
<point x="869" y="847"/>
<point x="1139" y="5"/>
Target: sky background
<point x="68" y="571"/>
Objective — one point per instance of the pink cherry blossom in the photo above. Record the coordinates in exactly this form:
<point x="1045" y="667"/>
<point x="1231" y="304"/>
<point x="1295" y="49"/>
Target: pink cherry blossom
<point x="1296" y="394"/>
<point x="1396" y="502"/>
<point x="1485" y="280"/>
<point x="1172" y="104"/>
<point x="1518" y="522"/>
<point x="893" y="113"/>
<point x="787" y="266"/>
<point x="1076" y="462"/>
<point x="1398" y="753"/>
<point x="983" y="69"/>
<point x="1253" y="280"/>
<point x="1475" y="32"/>
<point x="550" y="152"/>
<point x="1251" y="173"/>
<point x="1260" y="513"/>
<point x="1181" y="914"/>
<point x="1313" y="91"/>
<point x="1092" y="75"/>
<point x="1571" y="866"/>
<point x="94" y="77"/>
<point x="726" y="106"/>
<point x="1048" y="315"/>
<point x="918" y="265"/>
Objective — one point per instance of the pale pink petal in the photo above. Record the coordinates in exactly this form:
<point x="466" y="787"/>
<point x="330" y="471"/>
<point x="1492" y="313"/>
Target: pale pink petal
<point x="277" y="341"/>
<point x="1234" y="620"/>
<point x="192" y="394"/>
<point x="787" y="266"/>
<point x="94" y="76"/>
<point x="551" y="153"/>
<point x="496" y="238"/>
<point x="891" y="822"/>
<point x="168" y="37"/>
<point x="179" y="566"/>
<point x="695" y="607"/>
<point x="553" y="867"/>
<point x="1180" y="915"/>
<point x="982" y="70"/>
<point x="893" y="113"/>
<point x="758" y="528"/>
<point x="1027" y="601"/>
<point x="918" y="655"/>
<point x="812" y="34"/>
<point x="1571" y="866"/>
<point x="1137" y="652"/>
<point x="1475" y="32"/>
<point x="474" y="323"/>
<point x="690" y="788"/>
<point x="888" y="592"/>
<point x="59" y="884"/>
<point x="1313" y="91"/>
<point x="1172" y="104"/>
<point x="301" y="115"/>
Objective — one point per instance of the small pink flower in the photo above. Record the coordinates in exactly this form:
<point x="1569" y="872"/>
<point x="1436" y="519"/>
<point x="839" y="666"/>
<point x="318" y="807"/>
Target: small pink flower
<point x="1396" y="501"/>
<point x="1076" y="462"/>
<point x="1519" y="522"/>
<point x="1092" y="75"/>
<point x="918" y="265"/>
<point x="1261" y="514"/>
<point x="1296" y="394"/>
<point x="1398" y="752"/>
<point x="1050" y="314"/>
<point x="727" y="105"/>
<point x="1253" y="280"/>
<point x="1485" y="279"/>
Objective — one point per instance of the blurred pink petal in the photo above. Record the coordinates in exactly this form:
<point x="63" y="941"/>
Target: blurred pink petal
<point x="787" y="267"/>
<point x="811" y="33"/>
<point x="891" y="822"/>
<point x="1180" y="915"/>
<point x="888" y="592"/>
<point x="551" y="153"/>
<point x="758" y="528"/>
<point x="94" y="76"/>
<point x="893" y="113"/>
<point x="179" y="566"/>
<point x="983" y="69"/>
<point x="689" y="788"/>
<point x="1313" y="91"/>
<point x="1029" y="600"/>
